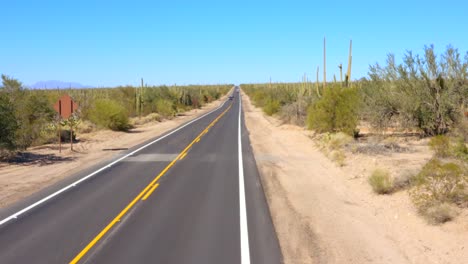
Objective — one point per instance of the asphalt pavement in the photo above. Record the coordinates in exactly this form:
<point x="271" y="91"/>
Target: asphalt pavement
<point x="193" y="195"/>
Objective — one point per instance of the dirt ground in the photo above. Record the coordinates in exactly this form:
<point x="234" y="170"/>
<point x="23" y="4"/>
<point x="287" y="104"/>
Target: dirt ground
<point x="42" y="166"/>
<point x="328" y="214"/>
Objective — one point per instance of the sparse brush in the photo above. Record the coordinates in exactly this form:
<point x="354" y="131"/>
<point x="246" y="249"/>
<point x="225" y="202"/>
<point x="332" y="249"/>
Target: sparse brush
<point x="440" y="145"/>
<point x="381" y="182"/>
<point x="153" y="117"/>
<point x="339" y="140"/>
<point x="403" y="181"/>
<point x="439" y="213"/>
<point x="339" y="157"/>
<point x="460" y="150"/>
<point x="86" y="127"/>
<point x="439" y="183"/>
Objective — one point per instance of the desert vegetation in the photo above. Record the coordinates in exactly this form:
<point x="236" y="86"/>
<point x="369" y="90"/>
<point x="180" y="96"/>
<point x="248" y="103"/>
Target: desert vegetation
<point x="424" y="96"/>
<point x="27" y="117"/>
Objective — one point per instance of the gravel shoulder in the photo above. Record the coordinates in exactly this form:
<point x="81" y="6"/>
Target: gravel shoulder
<point x="328" y="214"/>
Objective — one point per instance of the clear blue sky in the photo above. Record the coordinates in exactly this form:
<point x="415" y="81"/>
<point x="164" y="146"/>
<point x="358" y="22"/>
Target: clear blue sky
<point x="108" y="43"/>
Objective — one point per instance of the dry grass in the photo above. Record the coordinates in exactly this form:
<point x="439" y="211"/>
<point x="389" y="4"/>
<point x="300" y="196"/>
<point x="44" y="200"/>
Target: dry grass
<point x="381" y="182"/>
<point x="403" y="181"/>
<point x="339" y="157"/>
<point x="439" y="213"/>
<point x="153" y="117"/>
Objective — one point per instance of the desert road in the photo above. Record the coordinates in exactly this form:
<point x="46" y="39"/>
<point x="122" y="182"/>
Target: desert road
<point x="192" y="195"/>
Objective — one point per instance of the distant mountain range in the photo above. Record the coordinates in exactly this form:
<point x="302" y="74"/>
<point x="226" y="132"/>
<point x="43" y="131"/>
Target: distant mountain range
<point x="58" y="84"/>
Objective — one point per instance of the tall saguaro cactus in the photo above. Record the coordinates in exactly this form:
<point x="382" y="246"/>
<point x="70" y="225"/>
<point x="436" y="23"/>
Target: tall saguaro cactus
<point x="350" y="60"/>
<point x="317" y="83"/>
<point x="341" y="73"/>
<point x="324" y="64"/>
<point x="139" y="98"/>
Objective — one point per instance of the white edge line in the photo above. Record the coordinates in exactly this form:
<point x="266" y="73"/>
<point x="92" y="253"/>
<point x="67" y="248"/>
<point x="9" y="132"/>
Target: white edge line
<point x="244" y="229"/>
<point x="45" y="199"/>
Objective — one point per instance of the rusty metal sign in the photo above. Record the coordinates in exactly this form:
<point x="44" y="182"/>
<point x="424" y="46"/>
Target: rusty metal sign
<point x="65" y="106"/>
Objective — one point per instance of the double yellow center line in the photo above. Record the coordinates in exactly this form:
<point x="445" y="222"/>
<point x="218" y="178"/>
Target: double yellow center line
<point x="147" y="191"/>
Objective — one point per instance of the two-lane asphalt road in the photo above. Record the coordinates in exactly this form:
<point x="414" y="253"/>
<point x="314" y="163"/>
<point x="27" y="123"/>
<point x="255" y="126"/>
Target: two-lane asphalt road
<point x="192" y="195"/>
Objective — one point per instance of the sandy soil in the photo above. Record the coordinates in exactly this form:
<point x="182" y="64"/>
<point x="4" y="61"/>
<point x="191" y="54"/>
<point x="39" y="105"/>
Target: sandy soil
<point x="327" y="214"/>
<point x="43" y="166"/>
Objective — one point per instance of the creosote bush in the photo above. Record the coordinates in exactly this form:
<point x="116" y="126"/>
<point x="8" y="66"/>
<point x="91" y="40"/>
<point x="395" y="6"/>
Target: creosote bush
<point x="440" y="183"/>
<point x="271" y="107"/>
<point x="336" y="111"/>
<point x="109" y="114"/>
<point x="381" y="182"/>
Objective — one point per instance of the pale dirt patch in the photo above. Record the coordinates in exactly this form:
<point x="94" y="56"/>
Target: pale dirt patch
<point x="326" y="214"/>
<point x="47" y="166"/>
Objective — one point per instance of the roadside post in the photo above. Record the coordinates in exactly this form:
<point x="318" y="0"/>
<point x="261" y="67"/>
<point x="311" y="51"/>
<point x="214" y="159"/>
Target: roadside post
<point x="65" y="107"/>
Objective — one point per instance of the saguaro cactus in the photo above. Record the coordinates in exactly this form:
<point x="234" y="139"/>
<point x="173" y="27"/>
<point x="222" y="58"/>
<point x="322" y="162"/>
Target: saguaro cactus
<point x="350" y="60"/>
<point x="324" y="64"/>
<point x="341" y="73"/>
<point x="317" y="83"/>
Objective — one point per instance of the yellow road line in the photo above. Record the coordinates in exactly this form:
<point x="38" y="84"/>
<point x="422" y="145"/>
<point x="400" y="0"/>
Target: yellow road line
<point x="141" y="194"/>
<point x="150" y="192"/>
<point x="185" y="154"/>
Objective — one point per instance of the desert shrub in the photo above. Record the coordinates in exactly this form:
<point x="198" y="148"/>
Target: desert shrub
<point x="34" y="116"/>
<point x="339" y="140"/>
<point x="460" y="130"/>
<point x="336" y="111"/>
<point x="271" y="107"/>
<point x="439" y="183"/>
<point x="339" y="157"/>
<point x="296" y="112"/>
<point x="165" y="108"/>
<point x="8" y="123"/>
<point x="259" y="98"/>
<point x="440" y="144"/>
<point x="32" y="113"/>
<point x="439" y="213"/>
<point x="85" y="127"/>
<point x="459" y="149"/>
<point x="381" y="182"/>
<point x="403" y="181"/>
<point x="424" y="91"/>
<point x="153" y="117"/>
<point x="109" y="114"/>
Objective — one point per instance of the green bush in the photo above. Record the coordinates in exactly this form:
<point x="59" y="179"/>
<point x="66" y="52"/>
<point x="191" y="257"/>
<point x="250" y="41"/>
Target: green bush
<point x="165" y="108"/>
<point x="336" y="111"/>
<point x="426" y="92"/>
<point x="460" y="150"/>
<point x="271" y="107"/>
<point x="109" y="114"/>
<point x="439" y="183"/>
<point x="440" y="145"/>
<point x="8" y="123"/>
<point x="381" y="182"/>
